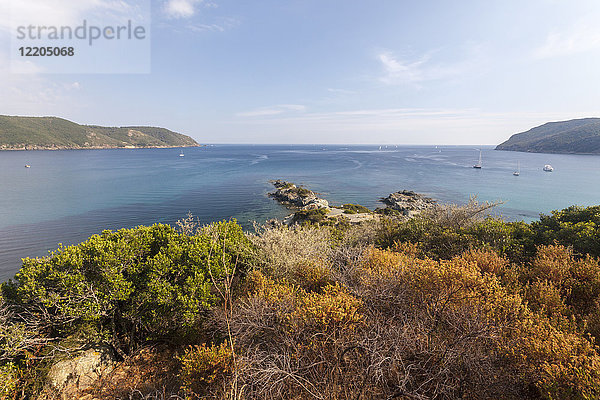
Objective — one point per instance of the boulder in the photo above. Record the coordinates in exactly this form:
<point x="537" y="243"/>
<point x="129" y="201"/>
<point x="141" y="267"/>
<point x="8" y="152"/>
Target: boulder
<point x="316" y="203"/>
<point x="292" y="195"/>
<point x="67" y="378"/>
<point x="408" y="202"/>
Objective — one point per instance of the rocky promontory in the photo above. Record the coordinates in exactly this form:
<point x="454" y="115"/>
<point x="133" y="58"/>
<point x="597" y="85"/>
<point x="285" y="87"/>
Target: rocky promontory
<point x="309" y="207"/>
<point x="296" y="196"/>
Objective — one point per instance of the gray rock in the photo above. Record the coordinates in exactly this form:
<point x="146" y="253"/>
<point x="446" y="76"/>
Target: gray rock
<point x="408" y="202"/>
<point x="292" y="195"/>
<point x="317" y="203"/>
<point x="68" y="377"/>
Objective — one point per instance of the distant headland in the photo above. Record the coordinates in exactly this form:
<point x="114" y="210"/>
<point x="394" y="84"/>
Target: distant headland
<point x="52" y="133"/>
<point x="576" y="136"/>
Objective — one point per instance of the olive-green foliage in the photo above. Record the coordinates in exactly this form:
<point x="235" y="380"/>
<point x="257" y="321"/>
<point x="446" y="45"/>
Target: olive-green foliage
<point x="437" y="241"/>
<point x="317" y="216"/>
<point x="135" y="284"/>
<point x="302" y="191"/>
<point x="9" y="380"/>
<point x="575" y="226"/>
<point x="354" y="209"/>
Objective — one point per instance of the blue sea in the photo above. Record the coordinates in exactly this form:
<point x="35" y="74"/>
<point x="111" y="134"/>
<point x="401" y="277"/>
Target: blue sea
<point x="67" y="196"/>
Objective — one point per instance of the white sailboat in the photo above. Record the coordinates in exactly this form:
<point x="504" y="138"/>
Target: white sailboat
<point x="478" y="165"/>
<point x="518" y="171"/>
<point x="548" y="168"/>
<point x="181" y="154"/>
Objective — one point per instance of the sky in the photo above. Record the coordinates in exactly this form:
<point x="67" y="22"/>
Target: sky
<point x="312" y="71"/>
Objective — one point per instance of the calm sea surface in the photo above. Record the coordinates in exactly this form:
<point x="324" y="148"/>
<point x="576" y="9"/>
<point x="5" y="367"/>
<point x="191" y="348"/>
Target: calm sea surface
<point x="67" y="196"/>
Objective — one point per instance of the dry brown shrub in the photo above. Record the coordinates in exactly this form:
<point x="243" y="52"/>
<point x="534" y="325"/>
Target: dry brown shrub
<point x="544" y="297"/>
<point x="406" y="327"/>
<point x="460" y="216"/>
<point x="486" y="261"/>
<point x="292" y="341"/>
<point x="282" y="249"/>
<point x="151" y="373"/>
<point x="409" y="328"/>
<point x="552" y="263"/>
<point x="408" y="248"/>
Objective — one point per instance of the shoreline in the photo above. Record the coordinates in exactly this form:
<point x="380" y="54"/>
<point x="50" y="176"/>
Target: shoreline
<point x="58" y="148"/>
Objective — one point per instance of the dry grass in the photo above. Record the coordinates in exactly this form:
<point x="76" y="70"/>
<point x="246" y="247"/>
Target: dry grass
<point x="283" y="250"/>
<point x="460" y="216"/>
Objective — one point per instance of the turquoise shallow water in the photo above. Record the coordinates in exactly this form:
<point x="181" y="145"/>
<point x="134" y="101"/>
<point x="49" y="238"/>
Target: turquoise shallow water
<point x="67" y="196"/>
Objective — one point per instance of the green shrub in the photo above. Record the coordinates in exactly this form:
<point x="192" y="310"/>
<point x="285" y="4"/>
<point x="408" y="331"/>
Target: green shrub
<point x="578" y="227"/>
<point x="317" y="216"/>
<point x="302" y="192"/>
<point x="354" y="209"/>
<point x="9" y="380"/>
<point x="135" y="285"/>
<point x="444" y="241"/>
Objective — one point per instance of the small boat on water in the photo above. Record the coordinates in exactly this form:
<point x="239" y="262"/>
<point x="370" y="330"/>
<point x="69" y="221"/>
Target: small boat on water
<point x="479" y="164"/>
<point x="181" y="154"/>
<point x="548" y="168"/>
<point x="27" y="166"/>
<point x="518" y="171"/>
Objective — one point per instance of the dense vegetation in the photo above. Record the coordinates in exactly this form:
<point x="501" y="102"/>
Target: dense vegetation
<point x="446" y="305"/>
<point x="52" y="132"/>
<point x="354" y="209"/>
<point x="574" y="136"/>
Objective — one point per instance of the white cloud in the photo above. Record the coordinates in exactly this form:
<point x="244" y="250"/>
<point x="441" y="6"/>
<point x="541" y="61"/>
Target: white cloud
<point x="579" y="39"/>
<point x="182" y="8"/>
<point x="221" y="25"/>
<point x="340" y="91"/>
<point x="424" y="69"/>
<point x="273" y="110"/>
<point x="399" y="71"/>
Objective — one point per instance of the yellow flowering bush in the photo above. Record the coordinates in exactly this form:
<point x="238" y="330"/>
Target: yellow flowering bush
<point x="203" y="366"/>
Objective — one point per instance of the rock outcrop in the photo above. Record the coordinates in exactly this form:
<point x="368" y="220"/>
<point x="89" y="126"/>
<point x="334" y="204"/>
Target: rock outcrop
<point x="408" y="202"/>
<point x="67" y="378"/>
<point x="296" y="196"/>
<point x="311" y="208"/>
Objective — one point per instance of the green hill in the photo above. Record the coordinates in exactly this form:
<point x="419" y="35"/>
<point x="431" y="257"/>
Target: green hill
<point x="31" y="133"/>
<point x="577" y="136"/>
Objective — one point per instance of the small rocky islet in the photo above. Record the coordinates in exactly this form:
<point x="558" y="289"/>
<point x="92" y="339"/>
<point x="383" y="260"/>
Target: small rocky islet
<point x="308" y="206"/>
